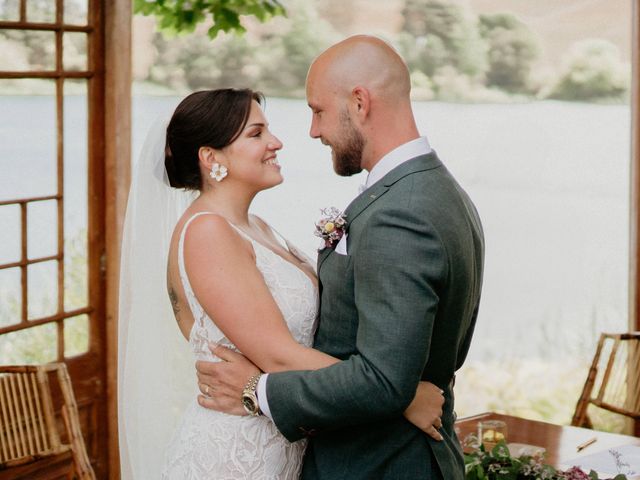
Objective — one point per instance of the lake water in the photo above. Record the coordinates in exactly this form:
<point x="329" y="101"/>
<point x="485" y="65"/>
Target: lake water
<point x="550" y="180"/>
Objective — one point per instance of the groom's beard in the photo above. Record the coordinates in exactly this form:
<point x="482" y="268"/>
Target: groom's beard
<point x="347" y="151"/>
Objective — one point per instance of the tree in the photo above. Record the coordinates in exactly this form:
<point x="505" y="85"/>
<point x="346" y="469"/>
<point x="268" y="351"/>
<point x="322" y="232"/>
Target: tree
<point x="184" y="15"/>
<point x="272" y="57"/>
<point x="338" y="13"/>
<point x="192" y="63"/>
<point x="512" y="50"/>
<point x="593" y="70"/>
<point x="442" y="33"/>
<point x="288" y="46"/>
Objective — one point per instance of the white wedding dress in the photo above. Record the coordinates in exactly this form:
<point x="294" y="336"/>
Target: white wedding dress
<point x="211" y="445"/>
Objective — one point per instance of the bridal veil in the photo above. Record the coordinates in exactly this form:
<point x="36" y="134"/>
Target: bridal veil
<point x="156" y="373"/>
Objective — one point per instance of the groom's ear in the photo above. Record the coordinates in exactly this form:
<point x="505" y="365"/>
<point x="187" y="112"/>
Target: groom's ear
<point x="361" y="102"/>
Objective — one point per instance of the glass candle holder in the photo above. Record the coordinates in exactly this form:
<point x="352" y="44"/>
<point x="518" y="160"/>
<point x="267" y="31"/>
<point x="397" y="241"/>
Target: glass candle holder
<point x="490" y="432"/>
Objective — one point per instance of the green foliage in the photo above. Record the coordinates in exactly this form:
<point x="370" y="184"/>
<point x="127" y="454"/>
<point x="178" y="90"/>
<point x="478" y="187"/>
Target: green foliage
<point x="190" y="63"/>
<point x="442" y="33"/>
<point x="498" y="464"/>
<point x="273" y="58"/>
<point x="489" y="57"/>
<point x="512" y="49"/>
<point x="287" y="48"/>
<point x="29" y="49"/>
<point x="453" y="54"/>
<point x="25" y="48"/>
<point x="593" y="70"/>
<point x="177" y="16"/>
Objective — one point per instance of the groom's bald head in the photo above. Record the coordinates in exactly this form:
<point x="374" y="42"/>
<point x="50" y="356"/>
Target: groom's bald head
<point x="365" y="61"/>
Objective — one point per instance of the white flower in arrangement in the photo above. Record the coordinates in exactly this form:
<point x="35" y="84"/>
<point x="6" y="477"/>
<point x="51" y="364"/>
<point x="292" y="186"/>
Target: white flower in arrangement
<point x="187" y="6"/>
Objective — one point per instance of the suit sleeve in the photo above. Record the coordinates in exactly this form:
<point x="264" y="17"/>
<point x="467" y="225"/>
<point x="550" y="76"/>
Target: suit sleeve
<point x="399" y="266"/>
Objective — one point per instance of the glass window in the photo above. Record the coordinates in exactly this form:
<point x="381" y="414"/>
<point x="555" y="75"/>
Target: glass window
<point x="76" y="336"/>
<point x="30" y="346"/>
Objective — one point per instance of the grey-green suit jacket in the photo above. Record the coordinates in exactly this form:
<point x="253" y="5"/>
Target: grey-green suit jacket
<point x="399" y="308"/>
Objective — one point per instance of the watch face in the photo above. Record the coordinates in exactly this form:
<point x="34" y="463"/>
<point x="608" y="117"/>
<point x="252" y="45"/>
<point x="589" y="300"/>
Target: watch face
<point x="249" y="404"/>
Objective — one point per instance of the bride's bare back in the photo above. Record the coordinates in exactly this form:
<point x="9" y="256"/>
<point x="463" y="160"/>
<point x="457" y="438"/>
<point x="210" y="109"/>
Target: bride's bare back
<point x="210" y="443"/>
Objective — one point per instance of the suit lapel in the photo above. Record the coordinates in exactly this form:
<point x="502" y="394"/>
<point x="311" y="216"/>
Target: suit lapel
<point x="362" y="201"/>
<point x="378" y="189"/>
<point x="373" y="193"/>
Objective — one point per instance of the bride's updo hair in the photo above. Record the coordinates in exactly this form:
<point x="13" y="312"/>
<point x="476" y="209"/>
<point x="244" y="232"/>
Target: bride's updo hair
<point x="210" y="118"/>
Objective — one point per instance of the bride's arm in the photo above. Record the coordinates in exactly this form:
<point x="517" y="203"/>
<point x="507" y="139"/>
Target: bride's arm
<point x="223" y="274"/>
<point x="224" y="277"/>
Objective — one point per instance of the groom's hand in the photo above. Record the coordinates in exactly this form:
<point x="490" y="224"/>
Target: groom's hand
<point x="222" y="383"/>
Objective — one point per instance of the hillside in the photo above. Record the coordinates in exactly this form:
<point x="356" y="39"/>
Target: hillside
<point x="561" y="23"/>
<point x="558" y="23"/>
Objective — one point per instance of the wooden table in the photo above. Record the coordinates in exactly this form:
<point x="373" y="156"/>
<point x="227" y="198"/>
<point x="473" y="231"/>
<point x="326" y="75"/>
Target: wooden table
<point x="559" y="441"/>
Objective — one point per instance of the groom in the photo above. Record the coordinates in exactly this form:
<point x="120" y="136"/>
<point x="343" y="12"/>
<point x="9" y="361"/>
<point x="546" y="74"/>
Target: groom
<point x="399" y="293"/>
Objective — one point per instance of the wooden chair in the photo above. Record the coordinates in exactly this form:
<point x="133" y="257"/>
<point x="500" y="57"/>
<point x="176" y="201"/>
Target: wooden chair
<point x="30" y="443"/>
<point x="613" y="382"/>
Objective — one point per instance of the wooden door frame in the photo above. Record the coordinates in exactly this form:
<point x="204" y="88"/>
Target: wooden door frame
<point x="108" y="76"/>
<point x="634" y="220"/>
<point x="117" y="176"/>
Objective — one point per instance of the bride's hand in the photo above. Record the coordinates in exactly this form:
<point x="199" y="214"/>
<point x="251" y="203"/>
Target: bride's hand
<point x="222" y="383"/>
<point x="426" y="409"/>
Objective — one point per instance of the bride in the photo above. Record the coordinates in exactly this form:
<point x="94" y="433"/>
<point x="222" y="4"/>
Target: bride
<point x="231" y="280"/>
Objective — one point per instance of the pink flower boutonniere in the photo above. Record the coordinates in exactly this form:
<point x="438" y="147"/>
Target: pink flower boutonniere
<point x="331" y="226"/>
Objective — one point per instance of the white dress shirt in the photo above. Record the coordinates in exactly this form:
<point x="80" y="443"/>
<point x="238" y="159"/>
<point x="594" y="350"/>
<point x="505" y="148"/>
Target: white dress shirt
<point x="393" y="159"/>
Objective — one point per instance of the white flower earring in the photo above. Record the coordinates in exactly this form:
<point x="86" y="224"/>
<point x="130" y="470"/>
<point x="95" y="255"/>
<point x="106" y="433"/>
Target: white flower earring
<point x="218" y="172"/>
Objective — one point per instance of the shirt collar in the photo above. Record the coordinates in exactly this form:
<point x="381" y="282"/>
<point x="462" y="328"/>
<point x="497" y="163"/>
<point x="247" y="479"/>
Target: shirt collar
<point x="396" y="157"/>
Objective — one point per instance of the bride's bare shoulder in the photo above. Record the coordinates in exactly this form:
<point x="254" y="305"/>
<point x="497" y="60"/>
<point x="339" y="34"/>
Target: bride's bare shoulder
<point x="213" y="230"/>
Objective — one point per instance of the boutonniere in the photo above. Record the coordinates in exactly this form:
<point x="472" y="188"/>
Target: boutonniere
<point x="331" y="226"/>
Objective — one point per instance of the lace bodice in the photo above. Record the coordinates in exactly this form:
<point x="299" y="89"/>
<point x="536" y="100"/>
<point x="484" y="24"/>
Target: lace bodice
<point x="210" y="444"/>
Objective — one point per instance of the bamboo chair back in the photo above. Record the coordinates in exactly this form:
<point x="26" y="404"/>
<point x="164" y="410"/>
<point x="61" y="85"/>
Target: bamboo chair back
<point x="613" y="382"/>
<point x="28" y="429"/>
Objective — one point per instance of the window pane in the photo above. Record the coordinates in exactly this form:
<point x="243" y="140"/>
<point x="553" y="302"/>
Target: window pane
<point x="557" y="247"/>
<point x="10" y="244"/>
<point x="76" y="336"/>
<point x="76" y="194"/>
<point x="25" y="86"/>
<point x="10" y="10"/>
<point x="27" y="50"/>
<point x="41" y="11"/>
<point x="28" y="145"/>
<point x="11" y="303"/>
<point x="75" y="12"/>
<point x="43" y="290"/>
<point x="75" y="51"/>
<point x="42" y="234"/>
<point x="75" y="274"/>
<point x="30" y="346"/>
